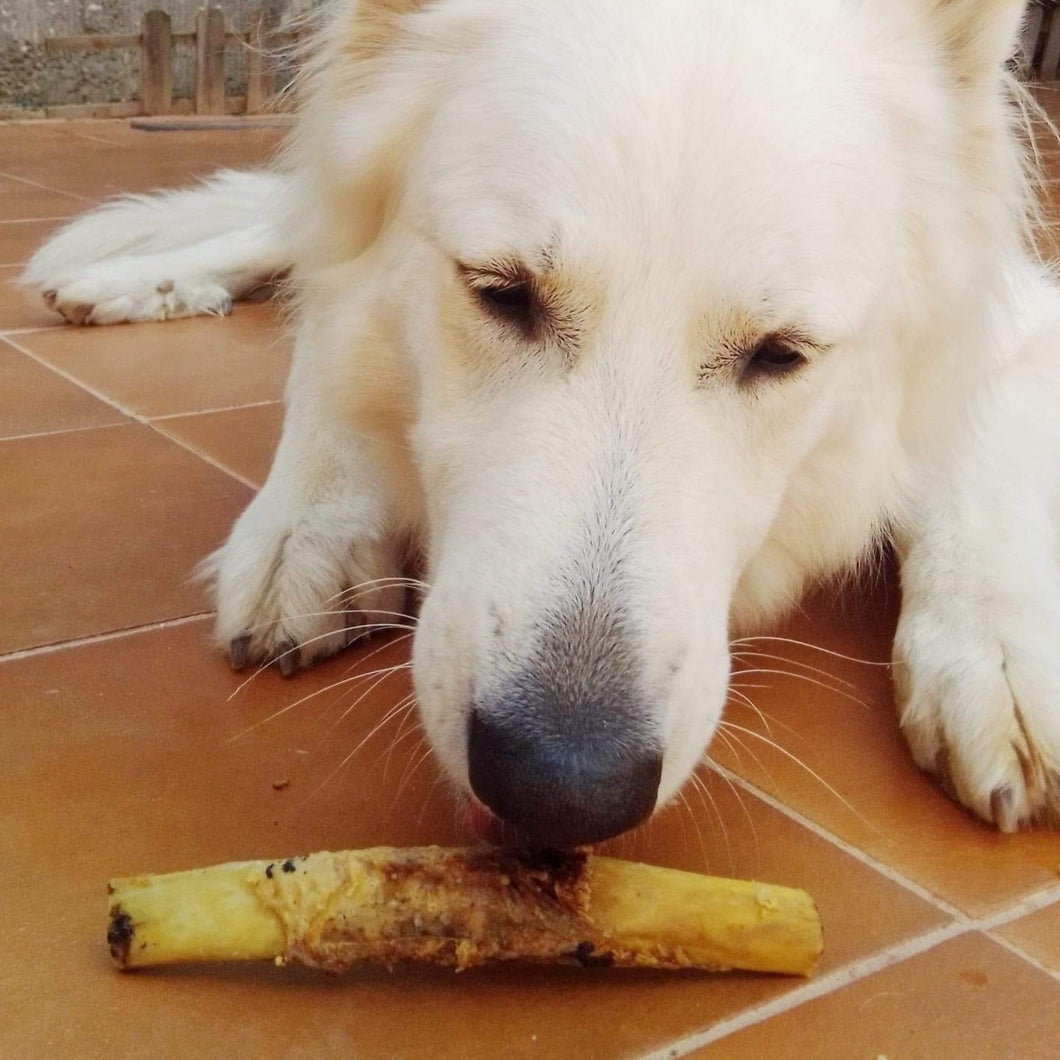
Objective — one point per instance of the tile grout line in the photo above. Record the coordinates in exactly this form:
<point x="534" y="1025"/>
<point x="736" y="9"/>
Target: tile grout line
<point x="1033" y="903"/>
<point x="42" y="187"/>
<point x="959" y="924"/>
<point x="1029" y="958"/>
<point x="204" y="457"/>
<point x="858" y="970"/>
<point x="868" y="860"/>
<point x="35" y="220"/>
<point x="136" y="417"/>
<point x="827" y="984"/>
<point x="101" y="638"/>
<point x="221" y="408"/>
<point x="98" y="394"/>
<point x="60" y="431"/>
<point x="94" y="139"/>
<point x="31" y="331"/>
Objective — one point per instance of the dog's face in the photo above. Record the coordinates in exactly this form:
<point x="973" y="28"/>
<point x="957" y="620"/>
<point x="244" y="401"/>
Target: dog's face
<point x="644" y="253"/>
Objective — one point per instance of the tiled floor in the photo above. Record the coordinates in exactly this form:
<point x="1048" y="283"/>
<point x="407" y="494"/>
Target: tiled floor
<point x="128" y="745"/>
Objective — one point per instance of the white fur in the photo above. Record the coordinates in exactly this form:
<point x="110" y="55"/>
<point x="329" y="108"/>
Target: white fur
<point x="161" y="257"/>
<point x="688" y="177"/>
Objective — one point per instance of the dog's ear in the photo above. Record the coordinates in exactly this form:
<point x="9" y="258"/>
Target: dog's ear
<point x="377" y="24"/>
<point x="367" y="95"/>
<point x="980" y="34"/>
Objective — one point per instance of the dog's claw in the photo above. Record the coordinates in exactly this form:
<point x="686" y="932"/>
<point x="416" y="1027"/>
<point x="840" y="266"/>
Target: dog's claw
<point x="50" y="297"/>
<point x="239" y="652"/>
<point x="287" y="660"/>
<point x="1003" y="810"/>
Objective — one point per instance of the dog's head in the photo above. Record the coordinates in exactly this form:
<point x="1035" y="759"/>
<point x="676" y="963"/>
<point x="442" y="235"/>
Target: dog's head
<point x="658" y="269"/>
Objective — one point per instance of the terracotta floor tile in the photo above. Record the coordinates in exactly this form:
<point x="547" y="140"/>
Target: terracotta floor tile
<point x="1038" y="935"/>
<point x="20" y="201"/>
<point x="966" y="999"/>
<point x="33" y="399"/>
<point x="867" y="789"/>
<point x="19" y="239"/>
<point x="20" y="308"/>
<point x="102" y="530"/>
<point x="112" y="162"/>
<point x="177" y="367"/>
<point x="242" y="440"/>
<point x="120" y="759"/>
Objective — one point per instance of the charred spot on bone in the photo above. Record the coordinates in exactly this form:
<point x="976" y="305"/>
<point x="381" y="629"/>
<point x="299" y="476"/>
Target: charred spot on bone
<point x="560" y="865"/>
<point x="120" y="934"/>
<point x="585" y="954"/>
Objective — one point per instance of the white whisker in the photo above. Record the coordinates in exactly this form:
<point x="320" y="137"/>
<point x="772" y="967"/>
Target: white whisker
<point x="312" y="695"/>
<point x="400" y="735"/>
<point x="703" y="795"/>
<point x="802" y="765"/>
<point x="708" y="762"/>
<point x="427" y="801"/>
<point x="410" y="771"/>
<point x="386" y="718"/>
<point x="809" y="680"/>
<point x="752" y="655"/>
<point x="749" y="702"/>
<point x="750" y="641"/>
<point x="380" y="676"/>
<point x="373" y="628"/>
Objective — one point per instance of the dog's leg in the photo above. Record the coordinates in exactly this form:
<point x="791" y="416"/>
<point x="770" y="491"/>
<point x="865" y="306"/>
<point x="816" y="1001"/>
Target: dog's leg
<point x="978" y="647"/>
<point x="164" y="256"/>
<point x="316" y="560"/>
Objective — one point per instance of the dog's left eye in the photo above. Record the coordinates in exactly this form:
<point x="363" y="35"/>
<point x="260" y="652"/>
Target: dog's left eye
<point x="772" y="357"/>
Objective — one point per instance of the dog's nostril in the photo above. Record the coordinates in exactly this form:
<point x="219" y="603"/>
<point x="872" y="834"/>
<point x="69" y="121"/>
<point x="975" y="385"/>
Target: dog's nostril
<point x="563" y="790"/>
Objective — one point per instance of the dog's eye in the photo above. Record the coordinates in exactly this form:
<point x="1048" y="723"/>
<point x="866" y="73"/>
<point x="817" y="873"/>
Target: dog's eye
<point x="513" y="301"/>
<point x="772" y="357"/>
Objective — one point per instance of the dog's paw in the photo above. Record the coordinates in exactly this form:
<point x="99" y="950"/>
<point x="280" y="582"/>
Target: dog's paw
<point x="295" y="586"/>
<point x="109" y="295"/>
<point x="979" y="700"/>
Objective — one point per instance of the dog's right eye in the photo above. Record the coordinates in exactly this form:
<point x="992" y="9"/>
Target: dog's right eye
<point x="512" y="301"/>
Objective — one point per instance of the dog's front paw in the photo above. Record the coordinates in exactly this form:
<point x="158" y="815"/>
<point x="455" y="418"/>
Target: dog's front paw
<point x="979" y="699"/>
<point x="294" y="585"/>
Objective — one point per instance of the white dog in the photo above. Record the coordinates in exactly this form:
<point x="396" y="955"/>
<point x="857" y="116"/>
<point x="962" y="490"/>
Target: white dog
<point x="638" y="318"/>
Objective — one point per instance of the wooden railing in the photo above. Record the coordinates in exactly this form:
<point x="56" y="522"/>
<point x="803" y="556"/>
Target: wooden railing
<point x="1040" y="48"/>
<point x="211" y="38"/>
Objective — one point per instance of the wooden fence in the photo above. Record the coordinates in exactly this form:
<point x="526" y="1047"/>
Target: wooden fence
<point x="211" y="38"/>
<point x="1040" y="48"/>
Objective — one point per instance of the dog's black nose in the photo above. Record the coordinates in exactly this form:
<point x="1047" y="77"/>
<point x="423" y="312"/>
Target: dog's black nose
<point x="562" y="789"/>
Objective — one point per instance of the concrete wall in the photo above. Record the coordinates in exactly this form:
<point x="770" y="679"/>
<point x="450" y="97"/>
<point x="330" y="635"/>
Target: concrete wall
<point x="31" y="78"/>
